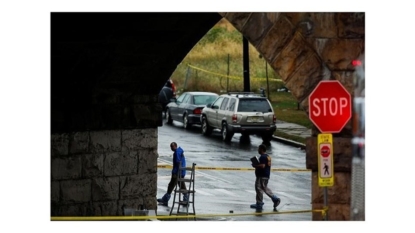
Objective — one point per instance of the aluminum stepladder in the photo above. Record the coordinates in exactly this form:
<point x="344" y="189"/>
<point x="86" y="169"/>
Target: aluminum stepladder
<point x="190" y="191"/>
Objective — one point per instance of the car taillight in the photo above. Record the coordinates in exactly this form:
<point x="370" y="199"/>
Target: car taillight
<point x="274" y="119"/>
<point x="197" y="111"/>
<point x="234" y="118"/>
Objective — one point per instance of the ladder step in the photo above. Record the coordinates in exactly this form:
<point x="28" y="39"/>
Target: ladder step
<point x="184" y="191"/>
<point x="185" y="180"/>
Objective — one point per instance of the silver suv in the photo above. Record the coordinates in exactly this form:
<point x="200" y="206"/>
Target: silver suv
<point x="239" y="112"/>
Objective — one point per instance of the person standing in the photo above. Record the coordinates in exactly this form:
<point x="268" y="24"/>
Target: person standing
<point x="178" y="160"/>
<point x="262" y="173"/>
<point x="165" y="94"/>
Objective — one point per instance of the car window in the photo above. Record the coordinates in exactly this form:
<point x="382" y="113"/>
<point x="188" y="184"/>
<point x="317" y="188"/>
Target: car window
<point x="254" y="105"/>
<point x="186" y="99"/>
<point x="224" y="104"/>
<point x="217" y="103"/>
<point x="181" y="97"/>
<point x="232" y="105"/>
<point x="203" y="99"/>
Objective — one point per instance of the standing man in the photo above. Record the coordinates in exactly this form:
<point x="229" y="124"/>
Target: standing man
<point x="178" y="160"/>
<point x="165" y="94"/>
<point x="262" y="173"/>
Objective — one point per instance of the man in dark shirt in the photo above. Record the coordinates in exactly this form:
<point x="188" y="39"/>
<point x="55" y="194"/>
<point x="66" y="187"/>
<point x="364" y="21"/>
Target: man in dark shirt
<point x="165" y="95"/>
<point x="262" y="173"/>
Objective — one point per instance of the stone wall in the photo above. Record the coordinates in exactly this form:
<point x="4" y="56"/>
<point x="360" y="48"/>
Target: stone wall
<point x="305" y="48"/>
<point x="98" y="173"/>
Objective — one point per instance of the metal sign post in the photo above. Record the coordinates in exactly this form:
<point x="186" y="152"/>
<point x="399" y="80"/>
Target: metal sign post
<point x="325" y="164"/>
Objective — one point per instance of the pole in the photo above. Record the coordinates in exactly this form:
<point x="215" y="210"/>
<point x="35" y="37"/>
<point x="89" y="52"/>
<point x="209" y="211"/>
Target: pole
<point x="326" y="217"/>
<point x="245" y="46"/>
<point x="266" y="74"/>
<point x="227" y="77"/>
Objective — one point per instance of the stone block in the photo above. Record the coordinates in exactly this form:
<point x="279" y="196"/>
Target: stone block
<point x="133" y="203"/>
<point x="136" y="139"/>
<point x="66" y="168"/>
<point x="338" y="54"/>
<point x="339" y="193"/>
<point x="351" y="25"/>
<point x="133" y="187"/>
<point x="306" y="76"/>
<point x="78" y="210"/>
<point x="238" y="19"/>
<point x="60" y="144"/>
<point x="76" y="191"/>
<point x="105" y="189"/>
<point x="108" y="208"/>
<point x="256" y="27"/>
<point x="105" y="141"/>
<point x="55" y="189"/>
<point x="78" y="143"/>
<point x="277" y="37"/>
<point x="147" y="162"/>
<point x="294" y="53"/>
<point x="92" y="165"/>
<point x="116" y="164"/>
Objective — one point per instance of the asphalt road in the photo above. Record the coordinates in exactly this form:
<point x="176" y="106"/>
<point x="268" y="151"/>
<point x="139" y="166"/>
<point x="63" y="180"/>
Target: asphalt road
<point x="226" y="195"/>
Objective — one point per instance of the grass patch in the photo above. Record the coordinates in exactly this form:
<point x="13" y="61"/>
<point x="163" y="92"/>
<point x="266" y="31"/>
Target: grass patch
<point x="211" y="53"/>
<point x="290" y="137"/>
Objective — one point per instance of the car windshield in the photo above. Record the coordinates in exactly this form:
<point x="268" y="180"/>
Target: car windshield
<point x="203" y="99"/>
<point x="253" y="105"/>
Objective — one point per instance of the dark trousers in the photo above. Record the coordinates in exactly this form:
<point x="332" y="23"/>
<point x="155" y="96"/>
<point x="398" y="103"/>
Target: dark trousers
<point x="173" y="182"/>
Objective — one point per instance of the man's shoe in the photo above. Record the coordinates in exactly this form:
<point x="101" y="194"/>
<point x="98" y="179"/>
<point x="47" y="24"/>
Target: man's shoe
<point x="276" y="202"/>
<point x="165" y="199"/>
<point x="257" y="205"/>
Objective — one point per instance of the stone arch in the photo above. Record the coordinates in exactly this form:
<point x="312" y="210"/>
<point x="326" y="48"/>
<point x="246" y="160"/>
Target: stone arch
<point x="305" y="48"/>
<point x="103" y="118"/>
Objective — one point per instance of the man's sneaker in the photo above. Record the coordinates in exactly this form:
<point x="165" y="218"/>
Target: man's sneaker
<point x="165" y="199"/>
<point x="276" y="202"/>
<point x="257" y="206"/>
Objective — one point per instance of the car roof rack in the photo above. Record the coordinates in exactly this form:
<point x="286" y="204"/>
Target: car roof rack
<point x="237" y="94"/>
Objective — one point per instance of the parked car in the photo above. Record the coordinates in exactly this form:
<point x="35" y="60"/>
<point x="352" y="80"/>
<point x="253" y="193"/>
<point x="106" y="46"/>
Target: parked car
<point x="188" y="107"/>
<point x="245" y="113"/>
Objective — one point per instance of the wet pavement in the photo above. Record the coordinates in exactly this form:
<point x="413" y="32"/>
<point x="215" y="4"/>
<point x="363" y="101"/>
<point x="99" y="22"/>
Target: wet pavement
<point x="227" y="195"/>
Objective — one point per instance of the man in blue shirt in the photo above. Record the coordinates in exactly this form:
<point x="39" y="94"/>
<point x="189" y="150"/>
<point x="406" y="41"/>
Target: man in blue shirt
<point x="262" y="173"/>
<point x="178" y="160"/>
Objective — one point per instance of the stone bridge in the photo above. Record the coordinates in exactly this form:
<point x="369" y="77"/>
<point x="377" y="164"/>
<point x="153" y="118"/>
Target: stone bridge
<point x="107" y="70"/>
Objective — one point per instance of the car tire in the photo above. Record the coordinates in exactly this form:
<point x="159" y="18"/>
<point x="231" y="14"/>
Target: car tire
<point x="266" y="138"/>
<point x="226" y="135"/>
<point x="206" y="128"/>
<point x="186" y="124"/>
<point x="168" y="117"/>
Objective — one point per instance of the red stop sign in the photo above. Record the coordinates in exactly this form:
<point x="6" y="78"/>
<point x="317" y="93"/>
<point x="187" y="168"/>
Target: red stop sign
<point x="330" y="106"/>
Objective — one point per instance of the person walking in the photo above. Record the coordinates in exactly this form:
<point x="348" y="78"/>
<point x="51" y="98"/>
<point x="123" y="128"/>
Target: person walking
<point x="178" y="160"/>
<point x="262" y="173"/>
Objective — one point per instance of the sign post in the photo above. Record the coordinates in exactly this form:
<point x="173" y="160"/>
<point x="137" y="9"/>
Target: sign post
<point x="329" y="109"/>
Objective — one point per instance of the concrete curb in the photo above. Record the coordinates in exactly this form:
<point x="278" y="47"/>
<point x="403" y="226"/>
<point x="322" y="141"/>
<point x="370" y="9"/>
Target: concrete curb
<point x="289" y="142"/>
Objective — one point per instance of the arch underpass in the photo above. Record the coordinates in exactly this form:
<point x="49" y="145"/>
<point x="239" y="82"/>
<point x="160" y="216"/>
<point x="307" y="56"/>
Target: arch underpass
<point x="107" y="70"/>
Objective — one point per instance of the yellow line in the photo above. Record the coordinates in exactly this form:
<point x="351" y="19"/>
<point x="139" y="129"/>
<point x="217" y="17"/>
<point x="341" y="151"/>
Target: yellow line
<point x="232" y="77"/>
<point x="241" y="169"/>
<point x="104" y="218"/>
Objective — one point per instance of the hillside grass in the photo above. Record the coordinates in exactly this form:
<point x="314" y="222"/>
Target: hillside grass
<point x="218" y="54"/>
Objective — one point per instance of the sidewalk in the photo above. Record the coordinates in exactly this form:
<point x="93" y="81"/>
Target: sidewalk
<point x="292" y="129"/>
